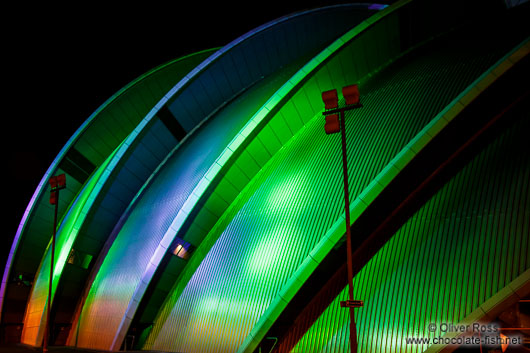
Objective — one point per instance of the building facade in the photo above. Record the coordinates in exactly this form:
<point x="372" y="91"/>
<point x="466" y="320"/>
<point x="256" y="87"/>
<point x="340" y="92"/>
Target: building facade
<point x="204" y="208"/>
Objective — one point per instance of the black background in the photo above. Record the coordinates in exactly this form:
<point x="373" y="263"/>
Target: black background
<point x="62" y="62"/>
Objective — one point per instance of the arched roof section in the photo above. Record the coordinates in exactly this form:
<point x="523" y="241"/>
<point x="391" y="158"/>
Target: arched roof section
<point x="210" y="190"/>
<point x="458" y="259"/>
<point x="244" y="172"/>
<point x="99" y="135"/>
<point x="35" y="318"/>
<point x="331" y="21"/>
<point x="285" y="113"/>
<point x="516" y="291"/>
<point x="187" y="293"/>
<point x="276" y="44"/>
<point x="388" y="174"/>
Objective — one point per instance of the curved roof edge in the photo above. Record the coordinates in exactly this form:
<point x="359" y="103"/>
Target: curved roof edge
<point x="184" y="82"/>
<point x="201" y="187"/>
<point x="55" y="164"/>
<point x="516" y="290"/>
<point x="79" y="207"/>
<point x="269" y="108"/>
<point x="258" y="120"/>
<point x="358" y="205"/>
<point x="222" y="51"/>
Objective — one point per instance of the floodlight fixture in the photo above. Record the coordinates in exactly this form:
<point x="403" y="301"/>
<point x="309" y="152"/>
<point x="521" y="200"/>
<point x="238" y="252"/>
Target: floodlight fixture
<point x="331" y="99"/>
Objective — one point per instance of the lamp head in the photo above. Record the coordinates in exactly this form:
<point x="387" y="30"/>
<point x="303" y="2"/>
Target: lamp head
<point x="351" y="94"/>
<point x="331" y="99"/>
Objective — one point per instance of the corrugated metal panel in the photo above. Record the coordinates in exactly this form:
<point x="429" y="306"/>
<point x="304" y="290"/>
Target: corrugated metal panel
<point x="190" y="101"/>
<point x="35" y="317"/>
<point x="261" y="56"/>
<point x="294" y="199"/>
<point x="38" y="214"/>
<point x="288" y="110"/>
<point x="127" y="109"/>
<point x="463" y="246"/>
<point x="135" y="252"/>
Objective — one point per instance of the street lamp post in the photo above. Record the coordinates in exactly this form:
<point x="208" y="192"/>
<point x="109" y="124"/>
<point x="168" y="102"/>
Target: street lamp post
<point x="56" y="183"/>
<point x="335" y="122"/>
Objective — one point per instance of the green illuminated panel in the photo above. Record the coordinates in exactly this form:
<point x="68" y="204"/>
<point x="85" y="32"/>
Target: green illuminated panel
<point x="142" y="240"/>
<point x="35" y="318"/>
<point x="445" y="261"/>
<point x="293" y="105"/>
<point x="273" y="224"/>
<point x="281" y="112"/>
<point x="272" y="205"/>
<point x="117" y="112"/>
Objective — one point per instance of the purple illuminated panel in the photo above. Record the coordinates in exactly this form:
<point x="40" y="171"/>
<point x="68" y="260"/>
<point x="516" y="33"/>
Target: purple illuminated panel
<point x="377" y="7"/>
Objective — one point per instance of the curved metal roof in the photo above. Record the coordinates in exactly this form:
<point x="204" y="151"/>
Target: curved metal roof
<point x="231" y="165"/>
<point x="142" y="150"/>
<point x="82" y="154"/>
<point x="262" y="249"/>
<point x="438" y="268"/>
<point x="216" y="129"/>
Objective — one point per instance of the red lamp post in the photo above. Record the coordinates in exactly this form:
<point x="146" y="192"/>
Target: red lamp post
<point x="56" y="183"/>
<point x="334" y="116"/>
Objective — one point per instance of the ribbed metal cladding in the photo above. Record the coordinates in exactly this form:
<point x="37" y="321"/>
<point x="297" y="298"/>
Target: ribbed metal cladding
<point x="95" y="140"/>
<point x="131" y="259"/>
<point x="276" y="221"/>
<point x="150" y="219"/>
<point x="280" y="44"/>
<point x="35" y="316"/>
<point x="464" y="245"/>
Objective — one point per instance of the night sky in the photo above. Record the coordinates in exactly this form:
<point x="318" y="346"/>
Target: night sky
<point x="61" y="64"/>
